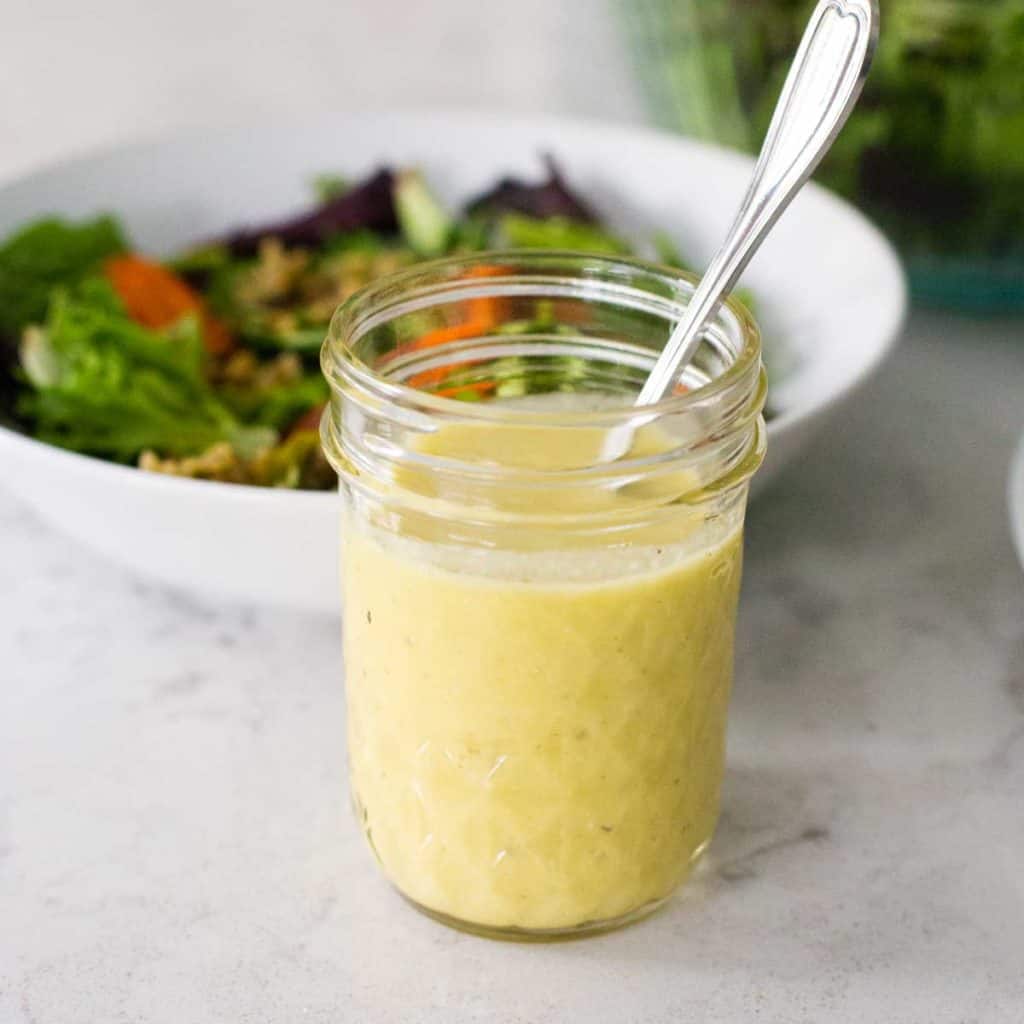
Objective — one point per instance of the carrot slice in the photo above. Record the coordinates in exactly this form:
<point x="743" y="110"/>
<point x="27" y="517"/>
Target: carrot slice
<point x="481" y="387"/>
<point x="481" y="314"/>
<point x="156" y="297"/>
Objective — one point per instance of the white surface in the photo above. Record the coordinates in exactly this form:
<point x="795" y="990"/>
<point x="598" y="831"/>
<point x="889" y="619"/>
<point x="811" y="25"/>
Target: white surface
<point x="829" y="288"/>
<point x="176" y="845"/>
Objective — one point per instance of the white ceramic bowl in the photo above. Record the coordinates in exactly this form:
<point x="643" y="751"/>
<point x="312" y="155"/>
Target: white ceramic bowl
<point x="1016" y="496"/>
<point x="830" y="288"/>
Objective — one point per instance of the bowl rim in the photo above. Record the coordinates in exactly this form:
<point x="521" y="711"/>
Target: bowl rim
<point x="1015" y="499"/>
<point x="787" y="419"/>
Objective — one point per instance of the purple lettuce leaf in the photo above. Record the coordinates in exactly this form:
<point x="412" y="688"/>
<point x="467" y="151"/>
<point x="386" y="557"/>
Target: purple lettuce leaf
<point x="368" y="205"/>
<point x="550" y="198"/>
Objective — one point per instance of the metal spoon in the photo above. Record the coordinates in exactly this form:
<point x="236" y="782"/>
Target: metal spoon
<point x="821" y="89"/>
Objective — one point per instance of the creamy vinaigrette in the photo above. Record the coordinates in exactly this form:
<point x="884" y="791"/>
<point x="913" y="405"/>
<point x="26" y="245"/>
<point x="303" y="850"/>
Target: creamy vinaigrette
<point x="536" y="736"/>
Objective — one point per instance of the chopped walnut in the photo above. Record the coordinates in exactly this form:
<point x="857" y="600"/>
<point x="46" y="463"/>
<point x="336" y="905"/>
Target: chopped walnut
<point x="238" y="368"/>
<point x="295" y="462"/>
<point x="274" y="274"/>
<point x="389" y="261"/>
<point x="218" y="462"/>
<point x="243" y="368"/>
<point x="341" y="276"/>
<point x="282" y="369"/>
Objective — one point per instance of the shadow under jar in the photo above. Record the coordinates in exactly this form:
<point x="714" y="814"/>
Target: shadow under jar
<point x="538" y="643"/>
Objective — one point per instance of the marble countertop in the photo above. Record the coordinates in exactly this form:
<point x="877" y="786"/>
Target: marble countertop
<point x="175" y="841"/>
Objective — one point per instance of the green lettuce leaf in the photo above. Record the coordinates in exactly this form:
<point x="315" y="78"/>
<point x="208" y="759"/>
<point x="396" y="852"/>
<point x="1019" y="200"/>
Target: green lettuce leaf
<point x="278" y="406"/>
<point x="426" y="226"/>
<point x="46" y="254"/>
<point x="104" y="385"/>
<point x="520" y="231"/>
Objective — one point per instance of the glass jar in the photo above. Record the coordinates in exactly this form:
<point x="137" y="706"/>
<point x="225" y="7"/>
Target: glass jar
<point x="538" y="643"/>
<point x="934" y="151"/>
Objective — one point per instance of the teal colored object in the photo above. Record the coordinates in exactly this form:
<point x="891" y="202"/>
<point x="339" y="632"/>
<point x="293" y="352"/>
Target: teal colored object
<point x="934" y="152"/>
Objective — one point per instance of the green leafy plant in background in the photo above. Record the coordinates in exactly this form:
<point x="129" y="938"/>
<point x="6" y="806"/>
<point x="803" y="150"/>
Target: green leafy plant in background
<point x="934" y="150"/>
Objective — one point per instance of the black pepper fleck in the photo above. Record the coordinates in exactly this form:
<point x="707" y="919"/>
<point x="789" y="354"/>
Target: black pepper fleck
<point x="369" y="617"/>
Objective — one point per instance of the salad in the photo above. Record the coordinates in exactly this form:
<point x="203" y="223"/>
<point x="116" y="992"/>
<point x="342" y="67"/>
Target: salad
<point x="205" y="365"/>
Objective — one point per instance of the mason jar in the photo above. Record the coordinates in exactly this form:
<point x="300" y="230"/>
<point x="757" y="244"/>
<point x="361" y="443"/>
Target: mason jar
<point x="538" y="636"/>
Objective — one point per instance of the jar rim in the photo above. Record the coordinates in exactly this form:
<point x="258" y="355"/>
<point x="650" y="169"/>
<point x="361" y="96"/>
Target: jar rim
<point x="606" y="276"/>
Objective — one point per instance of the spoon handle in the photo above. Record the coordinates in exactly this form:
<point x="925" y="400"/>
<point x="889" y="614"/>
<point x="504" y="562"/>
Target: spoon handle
<point x="822" y="86"/>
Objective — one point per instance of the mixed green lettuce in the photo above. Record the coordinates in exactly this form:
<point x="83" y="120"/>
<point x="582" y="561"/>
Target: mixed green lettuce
<point x="102" y="384"/>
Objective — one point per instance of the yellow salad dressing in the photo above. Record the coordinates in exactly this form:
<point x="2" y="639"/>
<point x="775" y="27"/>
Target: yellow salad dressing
<point x="536" y="736"/>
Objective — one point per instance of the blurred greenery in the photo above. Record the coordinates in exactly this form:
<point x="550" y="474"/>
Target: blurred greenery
<point x="935" y="149"/>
